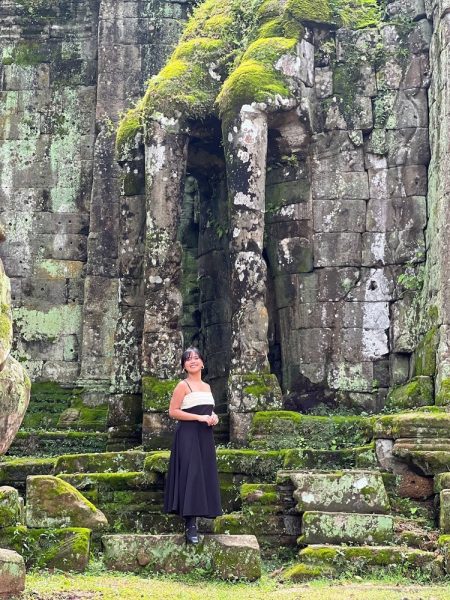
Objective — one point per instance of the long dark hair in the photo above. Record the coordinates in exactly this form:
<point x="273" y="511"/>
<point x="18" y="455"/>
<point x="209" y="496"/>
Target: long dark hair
<point x="187" y="353"/>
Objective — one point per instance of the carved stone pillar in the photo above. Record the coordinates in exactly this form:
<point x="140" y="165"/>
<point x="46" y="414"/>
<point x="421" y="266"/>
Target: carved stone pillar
<point x="162" y="344"/>
<point x="251" y="387"/>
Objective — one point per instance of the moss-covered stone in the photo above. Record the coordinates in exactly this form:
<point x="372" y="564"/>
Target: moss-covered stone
<point x="443" y="393"/>
<point x="156" y="393"/>
<point x="108" y="462"/>
<point x="413" y="425"/>
<point x="287" y="429"/>
<point x="340" y="491"/>
<point x="252" y="391"/>
<point x="425" y="354"/>
<point x="444" y="549"/>
<point x="226" y="557"/>
<point x="53" y="443"/>
<point x="9" y="506"/>
<point x="429" y="462"/>
<point x="65" y="549"/>
<point x="358" y="457"/>
<point x="157" y="461"/>
<point x="346" y="528"/>
<point x="52" y="502"/>
<point x="304" y="572"/>
<point x="259" y="494"/>
<point x="266" y="526"/>
<point x="419" y="391"/>
<point x="12" y="574"/>
<point x="249" y="462"/>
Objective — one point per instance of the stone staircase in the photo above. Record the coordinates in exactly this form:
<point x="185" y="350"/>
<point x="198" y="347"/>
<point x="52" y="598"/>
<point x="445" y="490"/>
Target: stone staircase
<point x="335" y="489"/>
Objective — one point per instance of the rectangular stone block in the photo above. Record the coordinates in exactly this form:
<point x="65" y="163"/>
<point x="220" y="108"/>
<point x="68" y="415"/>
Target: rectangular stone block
<point x="394" y="214"/>
<point x="367" y="315"/>
<point x="410" y="180"/>
<point x="337" y="249"/>
<point x="351" y="185"/>
<point x="346" y="528"/>
<point x="392" y="247"/>
<point x="343" y="491"/>
<point x="339" y="215"/>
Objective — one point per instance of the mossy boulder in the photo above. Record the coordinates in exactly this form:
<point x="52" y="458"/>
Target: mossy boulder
<point x="288" y="429"/>
<point x="9" y="506"/>
<point x="156" y="393"/>
<point x="14" y="398"/>
<point x="346" y="528"/>
<point x="425" y="354"/>
<point x="225" y="557"/>
<point x="12" y="573"/>
<point x="52" y="502"/>
<point x="419" y="391"/>
<point x="340" y="491"/>
<point x="65" y="549"/>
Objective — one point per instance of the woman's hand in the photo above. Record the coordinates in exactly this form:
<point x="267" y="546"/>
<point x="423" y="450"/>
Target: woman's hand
<point x="214" y="419"/>
<point x="210" y="420"/>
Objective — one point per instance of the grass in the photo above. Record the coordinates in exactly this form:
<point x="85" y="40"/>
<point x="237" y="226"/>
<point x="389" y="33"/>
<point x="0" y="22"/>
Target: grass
<point x="114" y="586"/>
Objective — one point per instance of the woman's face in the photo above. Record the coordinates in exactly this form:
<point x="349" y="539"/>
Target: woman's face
<point x="193" y="363"/>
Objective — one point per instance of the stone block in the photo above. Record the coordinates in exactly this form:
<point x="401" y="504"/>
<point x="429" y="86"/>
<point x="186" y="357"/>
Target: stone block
<point x="235" y="557"/>
<point x="332" y="284"/>
<point x="323" y="78"/>
<point x="9" y="506"/>
<point x="65" y="549"/>
<point x="337" y="249"/>
<point x="356" y="377"/>
<point x="408" y="146"/>
<point x="99" y="462"/>
<point x="351" y="185"/>
<point x="339" y="215"/>
<point x="413" y="425"/>
<point x="371" y="558"/>
<point x="14" y="398"/>
<point x="444" y="511"/>
<point x="367" y="315"/>
<point x="417" y="392"/>
<point x="240" y="424"/>
<point x="396" y="214"/>
<point x="157" y="430"/>
<point x="343" y="491"/>
<point x="346" y="528"/>
<point x="409" y="180"/>
<point x="250" y="392"/>
<point x="392" y="247"/>
<point x="360" y="345"/>
<point x="12" y="574"/>
<point x="52" y="502"/>
<point x="425" y="354"/>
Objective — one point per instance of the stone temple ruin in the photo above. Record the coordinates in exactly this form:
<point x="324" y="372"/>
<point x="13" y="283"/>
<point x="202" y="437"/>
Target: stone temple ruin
<point x="267" y="180"/>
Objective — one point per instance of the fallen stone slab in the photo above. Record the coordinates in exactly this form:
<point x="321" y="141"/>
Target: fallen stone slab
<point x="52" y="502"/>
<point x="12" y="573"/>
<point x="330" y="560"/>
<point x="223" y="556"/>
<point x="65" y="549"/>
<point x="340" y="491"/>
<point x="346" y="528"/>
<point x="10" y="506"/>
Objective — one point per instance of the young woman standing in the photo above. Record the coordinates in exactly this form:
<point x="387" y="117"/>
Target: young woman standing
<point x="192" y="484"/>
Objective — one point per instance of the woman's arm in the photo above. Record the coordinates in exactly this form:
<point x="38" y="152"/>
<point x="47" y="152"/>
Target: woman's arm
<point x="175" y="411"/>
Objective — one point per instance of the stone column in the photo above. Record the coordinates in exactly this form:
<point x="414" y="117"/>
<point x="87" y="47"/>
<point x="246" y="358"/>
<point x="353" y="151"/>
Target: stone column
<point x="251" y="387"/>
<point x="162" y="343"/>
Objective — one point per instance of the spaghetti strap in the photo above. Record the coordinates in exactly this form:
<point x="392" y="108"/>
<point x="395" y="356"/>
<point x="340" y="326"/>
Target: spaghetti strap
<point x="187" y="385"/>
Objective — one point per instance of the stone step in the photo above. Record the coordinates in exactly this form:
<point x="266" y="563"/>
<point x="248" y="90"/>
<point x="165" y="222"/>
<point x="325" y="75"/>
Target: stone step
<point x="424" y="444"/>
<point x="359" y="457"/>
<point x="429" y="462"/>
<point x="419" y="425"/>
<point x="319" y="560"/>
<point x="223" y="556"/>
<point x="272" y="430"/>
<point x="359" y="491"/>
<point x="346" y="528"/>
<point x="412" y="533"/>
<point x="272" y="529"/>
<point x="12" y="574"/>
<point x="54" y="443"/>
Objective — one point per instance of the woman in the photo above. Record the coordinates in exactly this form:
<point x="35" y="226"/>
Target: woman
<point x="192" y="485"/>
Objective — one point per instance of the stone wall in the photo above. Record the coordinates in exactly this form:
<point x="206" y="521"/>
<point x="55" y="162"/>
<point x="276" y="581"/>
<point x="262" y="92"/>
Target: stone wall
<point x="337" y="247"/>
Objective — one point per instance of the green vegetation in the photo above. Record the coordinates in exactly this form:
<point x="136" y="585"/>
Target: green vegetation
<point x="156" y="393"/>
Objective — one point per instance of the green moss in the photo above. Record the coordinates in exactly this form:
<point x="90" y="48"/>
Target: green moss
<point x="302" y="572"/>
<point x="306" y="10"/>
<point x="157" y="461"/>
<point x="419" y="391"/>
<point x="107" y="462"/>
<point x="425" y="355"/>
<point x="129" y="126"/>
<point x="6" y="330"/>
<point x="156" y="393"/>
<point x="249" y="462"/>
<point x="27" y="54"/>
<point x="259" y="494"/>
<point x="443" y="395"/>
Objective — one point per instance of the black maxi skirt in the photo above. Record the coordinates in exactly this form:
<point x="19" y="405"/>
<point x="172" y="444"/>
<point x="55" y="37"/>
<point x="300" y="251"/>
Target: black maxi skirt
<point x="192" y="484"/>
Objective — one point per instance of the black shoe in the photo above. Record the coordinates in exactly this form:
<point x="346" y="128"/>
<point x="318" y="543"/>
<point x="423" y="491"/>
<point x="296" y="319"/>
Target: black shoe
<point x="191" y="530"/>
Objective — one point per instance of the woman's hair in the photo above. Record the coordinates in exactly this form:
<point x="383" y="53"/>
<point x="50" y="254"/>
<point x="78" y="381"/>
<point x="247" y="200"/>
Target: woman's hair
<point x="187" y="353"/>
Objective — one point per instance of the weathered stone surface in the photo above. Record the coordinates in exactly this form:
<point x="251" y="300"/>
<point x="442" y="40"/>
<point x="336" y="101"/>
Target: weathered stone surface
<point x="444" y="511"/>
<point x="65" y="549"/>
<point x="52" y="502"/>
<point x="417" y="392"/>
<point x="12" y="573"/>
<point x="358" y="491"/>
<point x="14" y="399"/>
<point x="225" y="556"/>
<point x="413" y="425"/>
<point x="9" y="506"/>
<point x="342" y="528"/>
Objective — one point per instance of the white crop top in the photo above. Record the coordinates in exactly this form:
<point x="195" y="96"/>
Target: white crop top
<point x="197" y="398"/>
